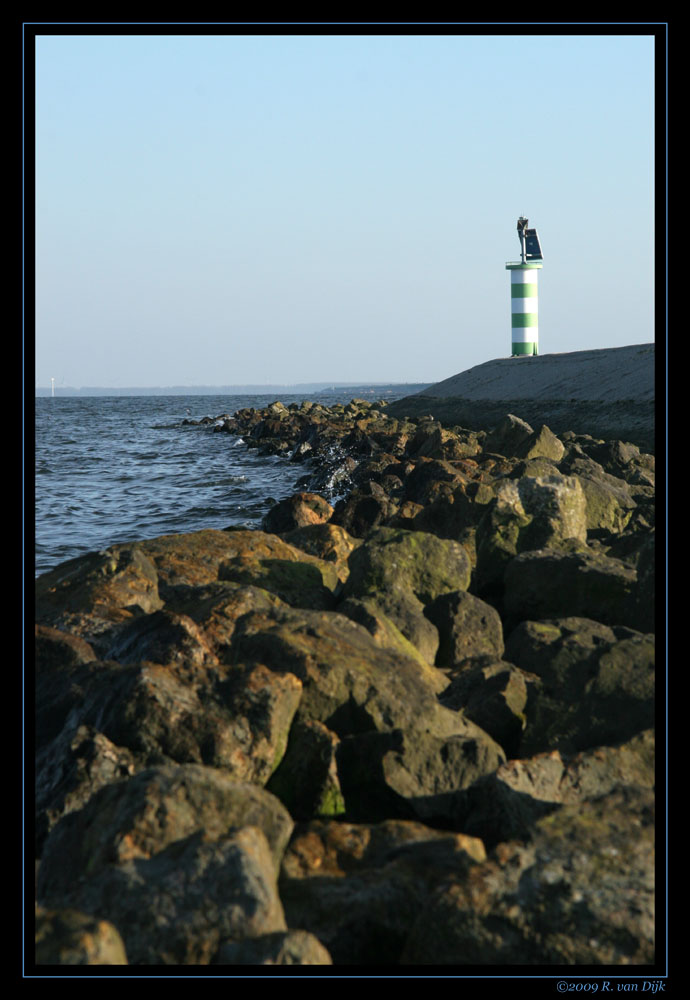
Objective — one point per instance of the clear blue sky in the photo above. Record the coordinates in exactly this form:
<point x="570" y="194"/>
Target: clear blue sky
<point x="222" y="209"/>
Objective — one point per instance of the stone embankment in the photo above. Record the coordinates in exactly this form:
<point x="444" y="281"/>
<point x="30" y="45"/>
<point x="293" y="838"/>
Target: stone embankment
<point x="408" y="722"/>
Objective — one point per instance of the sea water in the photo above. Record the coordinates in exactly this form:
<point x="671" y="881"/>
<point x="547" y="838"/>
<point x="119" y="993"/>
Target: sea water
<point x="115" y="469"/>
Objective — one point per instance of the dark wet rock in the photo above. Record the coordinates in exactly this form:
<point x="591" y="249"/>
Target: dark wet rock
<point x="297" y="511"/>
<point x="467" y="627"/>
<point x="67" y="937"/>
<point x="362" y="512"/>
<point x="431" y="479"/>
<point x="359" y="887"/>
<point x="596" y="683"/>
<point x="581" y="893"/>
<point x="279" y="948"/>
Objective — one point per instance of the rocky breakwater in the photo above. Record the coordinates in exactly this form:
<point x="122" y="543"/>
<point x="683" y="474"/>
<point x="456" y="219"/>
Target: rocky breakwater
<point x="408" y="722"/>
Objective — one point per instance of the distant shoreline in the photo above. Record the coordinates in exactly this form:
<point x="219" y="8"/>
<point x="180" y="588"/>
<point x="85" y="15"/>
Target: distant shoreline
<point x="374" y="388"/>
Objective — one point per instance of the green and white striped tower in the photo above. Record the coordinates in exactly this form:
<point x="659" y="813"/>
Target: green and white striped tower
<point x="524" y="292"/>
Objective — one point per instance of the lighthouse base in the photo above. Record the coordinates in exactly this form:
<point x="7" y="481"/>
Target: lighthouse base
<point x="520" y="348"/>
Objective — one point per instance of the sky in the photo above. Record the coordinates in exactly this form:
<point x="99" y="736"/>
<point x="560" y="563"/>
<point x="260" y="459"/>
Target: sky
<point x="224" y="208"/>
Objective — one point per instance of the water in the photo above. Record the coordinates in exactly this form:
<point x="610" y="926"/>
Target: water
<point x="124" y="468"/>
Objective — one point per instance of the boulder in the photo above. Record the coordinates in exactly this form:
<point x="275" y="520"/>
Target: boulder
<point x="596" y="684"/>
<point x="297" y="511"/>
<point x="609" y="502"/>
<point x="541" y="444"/>
<point x="413" y="775"/>
<point x="467" y="627"/>
<point x="70" y="769"/>
<point x="110" y="586"/>
<point x="508" y="435"/>
<point x="580" y="893"/>
<point x="325" y="541"/>
<point x="306" y="780"/>
<point x="493" y="694"/>
<point x="585" y="584"/>
<point x="67" y="937"/>
<point x="395" y="622"/>
<point x="362" y="512"/>
<point x="433" y="478"/>
<point x="279" y="948"/>
<point x="393" y="559"/>
<point x="122" y="856"/>
<point x="528" y="514"/>
<point x="505" y="805"/>
<point x="359" y="887"/>
<point x="350" y="683"/>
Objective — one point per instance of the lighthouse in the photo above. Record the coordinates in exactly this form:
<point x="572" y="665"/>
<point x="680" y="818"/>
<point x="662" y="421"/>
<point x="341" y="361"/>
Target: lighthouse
<point x="524" y="292"/>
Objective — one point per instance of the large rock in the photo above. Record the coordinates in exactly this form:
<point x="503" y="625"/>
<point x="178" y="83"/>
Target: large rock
<point x="306" y="780"/>
<point x="326" y="541"/>
<point x="297" y="511"/>
<point x="580" y="893"/>
<point x="467" y="627"/>
<point x="394" y="559"/>
<point x="240" y="723"/>
<point x="493" y="694"/>
<point x="70" y="769"/>
<point x="178" y="859"/>
<point x="109" y="586"/>
<point x="509" y="434"/>
<point x="279" y="948"/>
<point x="585" y="584"/>
<point x="350" y="683"/>
<point x="413" y="775"/>
<point x="397" y="622"/>
<point x="359" y="887"/>
<point x="505" y="805"/>
<point x="67" y="937"/>
<point x="609" y="502"/>
<point x="596" y="683"/>
<point x="526" y="514"/>
<point x="405" y="613"/>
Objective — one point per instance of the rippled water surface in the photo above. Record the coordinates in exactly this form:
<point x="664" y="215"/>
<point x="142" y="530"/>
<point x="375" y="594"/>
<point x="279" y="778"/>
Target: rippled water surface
<point x="122" y="468"/>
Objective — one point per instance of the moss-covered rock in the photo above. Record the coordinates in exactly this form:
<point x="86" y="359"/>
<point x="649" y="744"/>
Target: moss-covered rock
<point x="393" y="559"/>
<point x="350" y="683"/>
<point x="306" y="779"/>
<point x="527" y="514"/>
